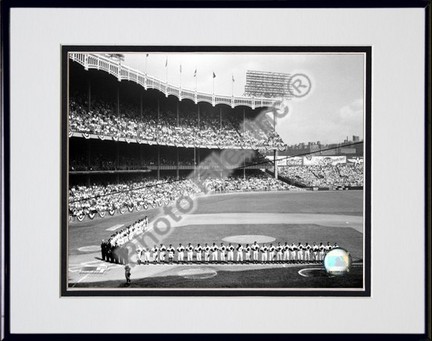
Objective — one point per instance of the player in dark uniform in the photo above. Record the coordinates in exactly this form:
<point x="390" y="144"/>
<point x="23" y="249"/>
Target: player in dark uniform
<point x="127" y="273"/>
<point x="103" y="249"/>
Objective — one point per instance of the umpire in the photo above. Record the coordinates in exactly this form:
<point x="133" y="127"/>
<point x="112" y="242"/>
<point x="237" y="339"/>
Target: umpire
<point x="104" y="250"/>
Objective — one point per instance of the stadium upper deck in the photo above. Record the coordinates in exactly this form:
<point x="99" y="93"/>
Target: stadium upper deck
<point x="122" y="72"/>
<point x="141" y="109"/>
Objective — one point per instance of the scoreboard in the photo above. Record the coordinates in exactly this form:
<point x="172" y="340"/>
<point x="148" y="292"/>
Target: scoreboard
<point x="267" y="84"/>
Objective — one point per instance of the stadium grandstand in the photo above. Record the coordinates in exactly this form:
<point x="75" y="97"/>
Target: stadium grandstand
<point x="135" y="141"/>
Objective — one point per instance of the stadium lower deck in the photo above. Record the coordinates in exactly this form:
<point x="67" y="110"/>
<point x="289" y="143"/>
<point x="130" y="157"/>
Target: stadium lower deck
<point x="327" y="216"/>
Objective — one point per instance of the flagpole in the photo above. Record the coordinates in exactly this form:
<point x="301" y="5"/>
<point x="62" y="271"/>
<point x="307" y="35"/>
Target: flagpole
<point x="166" y="71"/>
<point x="232" y="85"/>
<point x="146" y="64"/>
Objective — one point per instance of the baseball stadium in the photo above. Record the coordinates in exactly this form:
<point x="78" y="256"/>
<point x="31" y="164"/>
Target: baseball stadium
<point x="172" y="188"/>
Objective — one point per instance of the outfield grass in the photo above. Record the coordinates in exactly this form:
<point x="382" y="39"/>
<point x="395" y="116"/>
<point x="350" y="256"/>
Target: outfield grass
<point x="331" y="202"/>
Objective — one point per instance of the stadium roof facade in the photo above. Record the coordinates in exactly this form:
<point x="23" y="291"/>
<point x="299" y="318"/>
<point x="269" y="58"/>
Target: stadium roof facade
<point x="122" y="72"/>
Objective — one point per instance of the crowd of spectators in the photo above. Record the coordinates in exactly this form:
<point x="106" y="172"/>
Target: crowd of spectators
<point x="102" y="163"/>
<point x="251" y="183"/>
<point x="151" y="193"/>
<point x="209" y="130"/>
<point x="328" y="176"/>
<point x="145" y="194"/>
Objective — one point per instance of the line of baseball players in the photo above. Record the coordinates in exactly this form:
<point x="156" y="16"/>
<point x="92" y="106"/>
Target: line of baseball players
<point x="251" y="253"/>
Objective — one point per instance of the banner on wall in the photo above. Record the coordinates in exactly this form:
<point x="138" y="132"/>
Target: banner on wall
<point x="287" y="161"/>
<point x="323" y="160"/>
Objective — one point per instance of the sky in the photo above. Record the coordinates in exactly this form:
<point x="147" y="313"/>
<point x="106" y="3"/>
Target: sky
<point x="333" y="109"/>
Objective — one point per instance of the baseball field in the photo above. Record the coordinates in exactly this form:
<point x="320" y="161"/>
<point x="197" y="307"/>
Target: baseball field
<point x="267" y="217"/>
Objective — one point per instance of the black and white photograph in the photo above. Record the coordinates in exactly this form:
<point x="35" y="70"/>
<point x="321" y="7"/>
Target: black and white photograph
<point x="216" y="171"/>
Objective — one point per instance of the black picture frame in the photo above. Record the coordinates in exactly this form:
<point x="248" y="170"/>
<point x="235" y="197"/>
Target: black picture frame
<point x="6" y="7"/>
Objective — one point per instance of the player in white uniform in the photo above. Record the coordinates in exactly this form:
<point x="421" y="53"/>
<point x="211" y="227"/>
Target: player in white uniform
<point x="255" y="249"/>
<point x="155" y="251"/>
<point x="146" y="252"/>
<point x="138" y="252"/>
<point x="180" y="253"/>
<point x="271" y="253"/>
<point x="198" y="250"/>
<point x="230" y="249"/>
<point x="322" y="251"/>
<point x="279" y="254"/>
<point x="335" y="246"/>
<point x="264" y="250"/>
<point x="207" y="250"/>
<point x="247" y="253"/>
<point x="162" y="251"/>
<point x="307" y="253"/>
<point x="315" y="252"/>
<point x="293" y="250"/>
<point x="239" y="250"/>
<point x="327" y="247"/>
<point x="171" y="251"/>
<point x="222" y="250"/>
<point x="189" y="250"/>
<point x="286" y="252"/>
<point x="300" y="252"/>
<point x="214" y="250"/>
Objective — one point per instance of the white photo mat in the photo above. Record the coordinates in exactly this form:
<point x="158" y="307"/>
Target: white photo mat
<point x="397" y="229"/>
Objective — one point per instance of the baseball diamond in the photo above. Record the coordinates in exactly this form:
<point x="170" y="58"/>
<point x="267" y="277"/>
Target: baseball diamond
<point x="337" y="218"/>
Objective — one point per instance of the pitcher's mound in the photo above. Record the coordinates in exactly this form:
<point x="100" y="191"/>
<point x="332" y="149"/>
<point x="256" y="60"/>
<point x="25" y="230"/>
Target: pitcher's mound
<point x="248" y="239"/>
